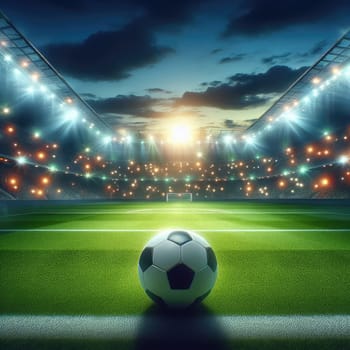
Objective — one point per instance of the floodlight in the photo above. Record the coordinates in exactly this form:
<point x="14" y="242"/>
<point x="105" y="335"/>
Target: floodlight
<point x="16" y="72"/>
<point x="53" y="168"/>
<point x="227" y="139"/>
<point x="107" y="139"/>
<point x="21" y="160"/>
<point x="30" y="90"/>
<point x="306" y="99"/>
<point x="250" y="140"/>
<point x="343" y="159"/>
<point x="291" y="116"/>
<point x="302" y="169"/>
<point x="128" y="139"/>
<point x="71" y="115"/>
<point x="43" y="88"/>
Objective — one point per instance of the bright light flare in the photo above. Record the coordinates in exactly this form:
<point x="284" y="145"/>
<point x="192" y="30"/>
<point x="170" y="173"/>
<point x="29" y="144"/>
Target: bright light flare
<point x="35" y="77"/>
<point x="302" y="169"/>
<point x="228" y="139"/>
<point x="281" y="184"/>
<point x="6" y="110"/>
<point x="36" y="135"/>
<point x="325" y="182"/>
<point x="71" y="115"/>
<point x="21" y="160"/>
<point x="107" y="140"/>
<point x="41" y="156"/>
<point x="10" y="129"/>
<point x="316" y="80"/>
<point x="291" y="116"/>
<point x="250" y="140"/>
<point x="45" y="180"/>
<point x="181" y="134"/>
<point x="343" y="159"/>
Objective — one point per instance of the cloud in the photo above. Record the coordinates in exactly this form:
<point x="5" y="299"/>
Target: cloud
<point x="277" y="59"/>
<point x="234" y="58"/>
<point x="170" y="15"/>
<point x="224" y="96"/>
<point x="230" y="124"/>
<point x="158" y="91"/>
<point x="215" y="51"/>
<point x="88" y="95"/>
<point x="124" y="104"/>
<point x="317" y="49"/>
<point x="275" y="80"/>
<point x="108" y="55"/>
<point x="267" y="16"/>
<point x="212" y="83"/>
<point x="162" y="12"/>
<point x="114" y="54"/>
<point x="243" y="90"/>
<point x="251" y="121"/>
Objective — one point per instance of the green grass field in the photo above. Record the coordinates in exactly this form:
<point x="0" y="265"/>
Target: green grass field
<point x="274" y="259"/>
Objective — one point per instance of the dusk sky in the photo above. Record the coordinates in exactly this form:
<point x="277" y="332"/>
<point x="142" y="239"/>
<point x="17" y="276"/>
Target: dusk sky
<point x="151" y="64"/>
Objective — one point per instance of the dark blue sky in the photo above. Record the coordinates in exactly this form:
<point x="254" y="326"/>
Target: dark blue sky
<point x="150" y="64"/>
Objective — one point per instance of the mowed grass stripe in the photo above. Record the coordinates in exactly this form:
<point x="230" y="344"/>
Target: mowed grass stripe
<point x="199" y="220"/>
<point x="136" y="239"/>
<point x="96" y="282"/>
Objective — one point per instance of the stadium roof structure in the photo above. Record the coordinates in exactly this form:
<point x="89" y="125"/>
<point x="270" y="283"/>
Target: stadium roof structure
<point x="17" y="49"/>
<point x="316" y="77"/>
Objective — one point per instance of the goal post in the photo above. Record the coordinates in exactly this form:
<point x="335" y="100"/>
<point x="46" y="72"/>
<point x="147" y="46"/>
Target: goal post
<point x="179" y="197"/>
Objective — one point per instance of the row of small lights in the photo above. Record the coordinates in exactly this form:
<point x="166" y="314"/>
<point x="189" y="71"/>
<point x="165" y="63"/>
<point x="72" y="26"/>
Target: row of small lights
<point x="289" y="114"/>
<point x="71" y="114"/>
<point x="343" y="159"/>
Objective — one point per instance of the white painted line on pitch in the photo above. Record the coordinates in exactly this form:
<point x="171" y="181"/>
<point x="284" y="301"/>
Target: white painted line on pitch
<point x="19" y="214"/>
<point x="135" y="327"/>
<point x="191" y="212"/>
<point x="159" y="229"/>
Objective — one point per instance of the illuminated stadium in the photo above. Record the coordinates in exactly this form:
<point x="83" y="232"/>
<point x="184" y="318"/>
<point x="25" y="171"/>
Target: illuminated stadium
<point x="54" y="146"/>
<point x="94" y="213"/>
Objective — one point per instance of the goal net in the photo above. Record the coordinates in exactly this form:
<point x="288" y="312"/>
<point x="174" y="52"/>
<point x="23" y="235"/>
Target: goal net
<point x="179" y="197"/>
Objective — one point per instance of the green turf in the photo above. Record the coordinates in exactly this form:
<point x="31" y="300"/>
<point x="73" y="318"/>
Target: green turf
<point x="260" y="272"/>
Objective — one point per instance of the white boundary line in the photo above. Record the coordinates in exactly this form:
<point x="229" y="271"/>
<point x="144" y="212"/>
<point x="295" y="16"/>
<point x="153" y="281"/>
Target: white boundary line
<point x="159" y="229"/>
<point x="130" y="327"/>
<point x="182" y="212"/>
<point x="19" y="214"/>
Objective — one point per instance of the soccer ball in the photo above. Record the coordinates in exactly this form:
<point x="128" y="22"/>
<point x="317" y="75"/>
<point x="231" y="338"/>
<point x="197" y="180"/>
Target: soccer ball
<point x="177" y="268"/>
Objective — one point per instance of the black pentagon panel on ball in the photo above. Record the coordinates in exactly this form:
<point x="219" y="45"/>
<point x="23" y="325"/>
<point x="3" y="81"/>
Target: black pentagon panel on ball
<point x="179" y="237"/>
<point x="146" y="259"/>
<point x="212" y="263"/>
<point x="201" y="298"/>
<point x="157" y="299"/>
<point x="180" y="277"/>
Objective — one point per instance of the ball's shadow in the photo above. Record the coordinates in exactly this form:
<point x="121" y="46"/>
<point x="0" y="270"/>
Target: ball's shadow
<point x="194" y="328"/>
